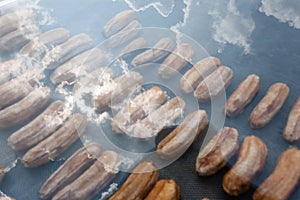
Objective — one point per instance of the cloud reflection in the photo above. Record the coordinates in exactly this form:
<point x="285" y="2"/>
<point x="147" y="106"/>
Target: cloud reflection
<point x="284" y="10"/>
<point x="231" y="26"/>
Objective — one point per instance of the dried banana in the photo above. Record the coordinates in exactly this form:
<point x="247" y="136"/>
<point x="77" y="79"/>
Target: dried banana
<point x="118" y="22"/>
<point x="126" y="34"/>
<point x="177" y="60"/>
<point x="133" y="47"/>
<point x="25" y="108"/>
<point x="92" y="180"/>
<point x="40" y="128"/>
<point x="160" y="50"/>
<point x="183" y="135"/>
<point x="164" y="189"/>
<point x="138" y="184"/>
<point x="163" y="117"/>
<point x="203" y="68"/>
<point x="116" y="91"/>
<point x="268" y="107"/>
<point x="217" y="152"/>
<point x="214" y="84"/>
<point x="84" y="62"/>
<point x="18" y="88"/>
<point x="56" y="143"/>
<point x="251" y="161"/>
<point x="284" y="178"/>
<point x="292" y="129"/>
<point x="242" y="96"/>
<point x="17" y="39"/>
<point x="72" y="168"/>
<point x="137" y="109"/>
<point x="67" y="50"/>
<point x="39" y="45"/>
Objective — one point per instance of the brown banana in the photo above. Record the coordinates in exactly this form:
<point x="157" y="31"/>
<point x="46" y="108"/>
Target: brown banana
<point x="115" y="92"/>
<point x="163" y="117"/>
<point x="214" y="84"/>
<point x="251" y="161"/>
<point x="67" y="50"/>
<point x="160" y="50"/>
<point x="268" y="107"/>
<point x="242" y="96"/>
<point x="133" y="47"/>
<point x="17" y="39"/>
<point x="70" y="70"/>
<point x="39" y="45"/>
<point x="128" y="33"/>
<point x="138" y="184"/>
<point x="118" y="22"/>
<point x="166" y="190"/>
<point x="183" y="135"/>
<point x="25" y="108"/>
<point x="191" y="79"/>
<point x="56" y="143"/>
<point x="284" y="178"/>
<point x="177" y="60"/>
<point x="217" y="152"/>
<point x="16" y="89"/>
<point x="137" y="109"/>
<point x="92" y="180"/>
<point x="72" y="168"/>
<point x="40" y="128"/>
<point x="292" y="129"/>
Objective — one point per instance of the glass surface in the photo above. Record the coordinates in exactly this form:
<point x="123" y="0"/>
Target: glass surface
<point x="259" y="36"/>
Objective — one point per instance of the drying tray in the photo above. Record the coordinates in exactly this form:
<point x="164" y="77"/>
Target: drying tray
<point x="274" y="60"/>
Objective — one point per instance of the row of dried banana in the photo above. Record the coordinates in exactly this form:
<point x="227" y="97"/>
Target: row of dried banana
<point x="267" y="108"/>
<point x="48" y="50"/>
<point x="89" y="169"/>
<point x="20" y="27"/>
<point x="34" y="50"/>
<point x="83" y="175"/>
<point x="49" y="134"/>
<point x="75" y="56"/>
<point x="207" y="72"/>
<point x="251" y="161"/>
